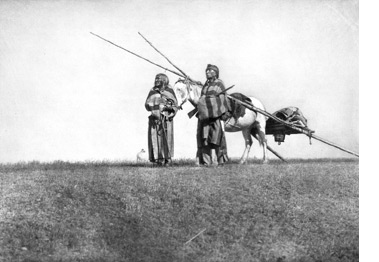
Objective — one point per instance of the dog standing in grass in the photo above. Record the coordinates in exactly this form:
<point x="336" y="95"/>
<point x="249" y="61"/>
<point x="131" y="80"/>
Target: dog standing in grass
<point x="141" y="156"/>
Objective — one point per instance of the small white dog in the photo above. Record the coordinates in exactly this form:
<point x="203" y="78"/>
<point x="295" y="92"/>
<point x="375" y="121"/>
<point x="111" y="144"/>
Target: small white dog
<point x="141" y="156"/>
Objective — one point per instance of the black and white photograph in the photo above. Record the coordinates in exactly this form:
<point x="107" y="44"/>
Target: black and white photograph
<point x="180" y="130"/>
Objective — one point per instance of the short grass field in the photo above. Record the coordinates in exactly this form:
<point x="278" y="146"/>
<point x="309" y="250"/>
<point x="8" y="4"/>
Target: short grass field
<point x="304" y="210"/>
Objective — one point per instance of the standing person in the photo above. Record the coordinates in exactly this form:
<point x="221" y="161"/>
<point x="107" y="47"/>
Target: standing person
<point x="213" y="107"/>
<point x="161" y="102"/>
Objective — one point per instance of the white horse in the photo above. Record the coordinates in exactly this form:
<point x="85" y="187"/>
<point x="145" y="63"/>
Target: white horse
<point x="251" y="123"/>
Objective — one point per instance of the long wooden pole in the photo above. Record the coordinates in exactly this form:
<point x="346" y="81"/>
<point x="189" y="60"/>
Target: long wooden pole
<point x="181" y="71"/>
<point x="138" y="55"/>
<point x="252" y="107"/>
<point x="275" y="153"/>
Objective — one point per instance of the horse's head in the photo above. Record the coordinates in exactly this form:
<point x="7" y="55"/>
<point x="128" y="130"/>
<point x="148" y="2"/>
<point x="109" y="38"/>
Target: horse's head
<point x="187" y="90"/>
<point x="181" y="91"/>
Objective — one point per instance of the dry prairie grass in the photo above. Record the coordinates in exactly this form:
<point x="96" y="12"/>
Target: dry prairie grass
<point x="104" y="211"/>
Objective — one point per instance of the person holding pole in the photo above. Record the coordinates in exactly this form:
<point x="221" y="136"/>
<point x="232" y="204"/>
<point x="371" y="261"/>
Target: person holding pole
<point x="213" y="109"/>
<point x="162" y="103"/>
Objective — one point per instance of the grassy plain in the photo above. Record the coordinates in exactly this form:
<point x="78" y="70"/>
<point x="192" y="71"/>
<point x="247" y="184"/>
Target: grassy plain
<point x="300" y="211"/>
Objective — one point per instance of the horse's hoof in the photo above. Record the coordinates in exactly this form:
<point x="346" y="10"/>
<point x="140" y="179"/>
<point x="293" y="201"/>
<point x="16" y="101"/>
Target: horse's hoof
<point x="265" y="162"/>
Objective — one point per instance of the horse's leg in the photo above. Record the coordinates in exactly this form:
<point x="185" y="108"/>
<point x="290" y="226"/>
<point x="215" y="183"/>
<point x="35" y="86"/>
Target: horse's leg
<point x="259" y="134"/>
<point x="197" y="161"/>
<point x="263" y="142"/>
<point x="248" y="143"/>
<point x="214" y="157"/>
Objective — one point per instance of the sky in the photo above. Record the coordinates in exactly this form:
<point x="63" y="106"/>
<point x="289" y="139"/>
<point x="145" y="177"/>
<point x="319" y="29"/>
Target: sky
<point x="67" y="95"/>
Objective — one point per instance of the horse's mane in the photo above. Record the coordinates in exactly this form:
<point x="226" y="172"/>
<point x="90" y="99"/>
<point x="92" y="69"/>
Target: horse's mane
<point x="238" y="110"/>
<point x="180" y="80"/>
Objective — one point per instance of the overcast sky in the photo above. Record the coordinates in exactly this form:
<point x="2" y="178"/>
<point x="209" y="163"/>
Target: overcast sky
<point x="67" y="95"/>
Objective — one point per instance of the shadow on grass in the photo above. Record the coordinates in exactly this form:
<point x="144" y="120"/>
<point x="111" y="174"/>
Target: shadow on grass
<point x="127" y="232"/>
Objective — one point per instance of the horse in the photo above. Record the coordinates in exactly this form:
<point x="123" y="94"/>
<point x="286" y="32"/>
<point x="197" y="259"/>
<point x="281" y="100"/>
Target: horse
<point x="248" y="122"/>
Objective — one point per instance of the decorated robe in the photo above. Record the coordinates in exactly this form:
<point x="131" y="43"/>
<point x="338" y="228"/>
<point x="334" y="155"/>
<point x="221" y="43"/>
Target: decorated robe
<point x="163" y="106"/>
<point x="211" y="106"/>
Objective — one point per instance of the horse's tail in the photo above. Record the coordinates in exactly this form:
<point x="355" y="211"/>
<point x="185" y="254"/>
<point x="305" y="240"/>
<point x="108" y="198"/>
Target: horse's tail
<point x="254" y="133"/>
<point x="259" y="135"/>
